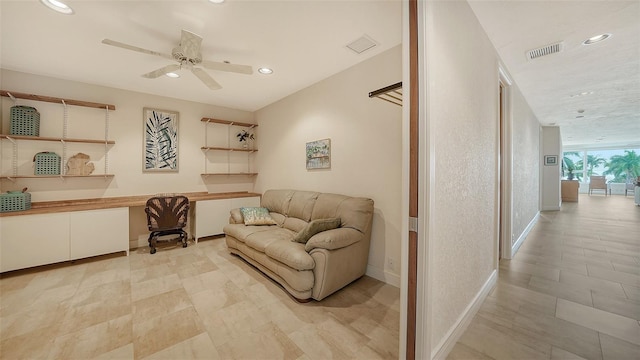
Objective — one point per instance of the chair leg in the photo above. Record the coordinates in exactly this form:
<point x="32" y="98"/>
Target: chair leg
<point x="152" y="243"/>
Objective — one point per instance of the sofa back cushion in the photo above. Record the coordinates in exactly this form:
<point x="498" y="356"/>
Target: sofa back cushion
<point x="301" y="204"/>
<point x="277" y="200"/>
<point x="354" y="212"/>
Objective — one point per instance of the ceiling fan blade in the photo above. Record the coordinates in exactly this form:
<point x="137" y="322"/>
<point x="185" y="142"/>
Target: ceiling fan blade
<point x="157" y="73"/>
<point x="190" y="44"/>
<point x="206" y="79"/>
<point x="135" y="48"/>
<point x="241" y="69"/>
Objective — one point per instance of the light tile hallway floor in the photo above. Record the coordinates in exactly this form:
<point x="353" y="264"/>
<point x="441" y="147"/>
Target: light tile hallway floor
<point x="193" y="303"/>
<point x="571" y="292"/>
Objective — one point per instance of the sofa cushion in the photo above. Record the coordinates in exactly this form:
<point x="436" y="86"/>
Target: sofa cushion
<point x="277" y="200"/>
<point x="260" y="240"/>
<point x="291" y="254"/>
<point x="242" y="231"/>
<point x="355" y="213"/>
<point x="279" y="218"/>
<point x="315" y="227"/>
<point x="294" y="224"/>
<point x="256" y="216"/>
<point x="301" y="204"/>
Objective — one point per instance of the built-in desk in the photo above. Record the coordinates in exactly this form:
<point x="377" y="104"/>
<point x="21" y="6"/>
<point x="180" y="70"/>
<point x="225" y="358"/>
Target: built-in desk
<point x="56" y="231"/>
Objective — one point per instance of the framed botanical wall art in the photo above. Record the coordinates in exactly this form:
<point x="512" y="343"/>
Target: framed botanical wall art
<point x="319" y="154"/>
<point x="160" y="140"/>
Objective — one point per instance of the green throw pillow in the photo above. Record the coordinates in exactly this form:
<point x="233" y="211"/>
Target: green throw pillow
<point x="315" y="227"/>
<point x="256" y="216"/>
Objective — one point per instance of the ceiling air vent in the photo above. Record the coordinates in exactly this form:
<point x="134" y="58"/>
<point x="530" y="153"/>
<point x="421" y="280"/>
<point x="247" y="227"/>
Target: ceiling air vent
<point x="362" y="44"/>
<point x="545" y="50"/>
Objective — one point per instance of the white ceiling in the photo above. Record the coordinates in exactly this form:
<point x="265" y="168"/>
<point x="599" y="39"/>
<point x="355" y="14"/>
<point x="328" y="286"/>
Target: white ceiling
<point x="610" y="69"/>
<point x="304" y="42"/>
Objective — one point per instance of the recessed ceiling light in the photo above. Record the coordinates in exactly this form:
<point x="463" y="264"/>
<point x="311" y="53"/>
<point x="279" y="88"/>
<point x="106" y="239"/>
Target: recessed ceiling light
<point x="582" y="94"/>
<point x="216" y="1"/>
<point x="172" y="75"/>
<point x="58" y="6"/>
<point x="595" y="39"/>
<point x="265" y="71"/>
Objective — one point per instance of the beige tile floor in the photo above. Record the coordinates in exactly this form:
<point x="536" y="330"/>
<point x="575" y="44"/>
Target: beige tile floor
<point x="571" y="292"/>
<point x="193" y="303"/>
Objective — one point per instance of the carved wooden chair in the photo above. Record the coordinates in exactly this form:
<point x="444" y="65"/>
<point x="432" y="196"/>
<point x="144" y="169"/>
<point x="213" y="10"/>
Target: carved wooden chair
<point x="167" y="214"/>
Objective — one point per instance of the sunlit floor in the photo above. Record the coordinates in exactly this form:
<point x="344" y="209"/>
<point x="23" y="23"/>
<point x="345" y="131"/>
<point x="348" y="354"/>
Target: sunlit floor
<point x="199" y="302"/>
<point x="571" y="292"/>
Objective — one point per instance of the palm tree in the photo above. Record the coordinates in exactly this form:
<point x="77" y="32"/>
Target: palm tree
<point x="624" y="167"/>
<point x="571" y="168"/>
<point x="592" y="162"/>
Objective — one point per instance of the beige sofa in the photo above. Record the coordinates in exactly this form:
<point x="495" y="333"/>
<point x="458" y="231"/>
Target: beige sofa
<point x="328" y="261"/>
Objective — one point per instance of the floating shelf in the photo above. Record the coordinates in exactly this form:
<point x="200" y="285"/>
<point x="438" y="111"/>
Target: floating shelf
<point x="227" y="122"/>
<point x="226" y="149"/>
<point x="54" y="176"/>
<point x="234" y="174"/>
<point x="56" y="100"/>
<point x="42" y="138"/>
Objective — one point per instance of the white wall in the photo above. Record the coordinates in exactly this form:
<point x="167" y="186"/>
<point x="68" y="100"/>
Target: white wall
<point x="525" y="183"/>
<point x="366" y="148"/>
<point x="462" y="103"/>
<point x="550" y="181"/>
<point x="126" y="129"/>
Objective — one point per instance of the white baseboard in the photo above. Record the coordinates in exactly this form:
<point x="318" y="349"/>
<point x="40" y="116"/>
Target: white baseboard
<point x="525" y="233"/>
<point x="455" y="333"/>
<point x="384" y="276"/>
<point x="550" y="208"/>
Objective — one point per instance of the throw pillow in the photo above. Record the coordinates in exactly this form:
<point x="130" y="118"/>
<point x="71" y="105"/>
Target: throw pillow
<point x="257" y="216"/>
<point x="315" y="227"/>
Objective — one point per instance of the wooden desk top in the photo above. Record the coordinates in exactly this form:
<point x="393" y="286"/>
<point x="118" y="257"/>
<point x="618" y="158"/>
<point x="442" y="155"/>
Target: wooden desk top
<point x="50" y="207"/>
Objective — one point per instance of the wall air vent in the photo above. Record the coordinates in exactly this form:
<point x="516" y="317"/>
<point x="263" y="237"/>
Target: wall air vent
<point x="362" y="44"/>
<point x="545" y="50"/>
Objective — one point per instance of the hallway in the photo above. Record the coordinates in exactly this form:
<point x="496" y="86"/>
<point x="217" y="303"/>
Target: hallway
<point x="572" y="291"/>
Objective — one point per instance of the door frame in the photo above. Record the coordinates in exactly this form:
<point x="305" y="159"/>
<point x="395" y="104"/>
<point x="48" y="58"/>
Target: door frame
<point x="505" y="194"/>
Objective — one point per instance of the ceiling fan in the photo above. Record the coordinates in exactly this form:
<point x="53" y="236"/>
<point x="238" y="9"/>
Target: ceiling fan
<point x="188" y="55"/>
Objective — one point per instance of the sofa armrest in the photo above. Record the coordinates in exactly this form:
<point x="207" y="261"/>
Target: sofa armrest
<point x="333" y="239"/>
<point x="236" y="216"/>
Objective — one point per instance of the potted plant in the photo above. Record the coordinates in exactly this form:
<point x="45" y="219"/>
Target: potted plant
<point x="244" y="136"/>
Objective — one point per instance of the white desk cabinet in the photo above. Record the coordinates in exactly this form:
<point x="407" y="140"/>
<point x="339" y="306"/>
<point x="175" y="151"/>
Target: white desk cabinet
<point x="33" y="240"/>
<point x="212" y="215"/>
<point x="40" y="239"/>
<point x="97" y="232"/>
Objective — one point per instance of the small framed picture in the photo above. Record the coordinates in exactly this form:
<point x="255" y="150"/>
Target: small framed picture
<point x="550" y="160"/>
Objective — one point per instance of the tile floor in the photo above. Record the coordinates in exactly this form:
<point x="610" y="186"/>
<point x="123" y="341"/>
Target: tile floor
<point x="193" y="303"/>
<point x="571" y="292"/>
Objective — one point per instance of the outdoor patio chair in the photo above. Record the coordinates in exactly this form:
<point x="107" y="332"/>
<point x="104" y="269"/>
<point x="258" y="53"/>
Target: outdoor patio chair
<point x="167" y="214"/>
<point x="598" y="183"/>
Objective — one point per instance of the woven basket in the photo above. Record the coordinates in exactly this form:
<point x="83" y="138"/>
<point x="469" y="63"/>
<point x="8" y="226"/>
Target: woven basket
<point x="47" y="163"/>
<point x="25" y="120"/>
<point x="15" y="201"/>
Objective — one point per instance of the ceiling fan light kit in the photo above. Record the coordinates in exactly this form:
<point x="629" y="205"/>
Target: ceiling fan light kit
<point x="58" y="6"/>
<point x="188" y="56"/>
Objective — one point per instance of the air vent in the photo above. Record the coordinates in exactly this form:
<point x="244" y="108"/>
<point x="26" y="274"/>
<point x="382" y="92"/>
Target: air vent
<point x="545" y="50"/>
<point x="362" y="44"/>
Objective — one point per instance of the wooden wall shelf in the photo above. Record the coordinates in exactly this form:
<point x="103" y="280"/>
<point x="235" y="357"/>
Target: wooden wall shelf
<point x="55" y="176"/>
<point x="56" y="100"/>
<point x="227" y="149"/>
<point x="227" y="122"/>
<point x="42" y="138"/>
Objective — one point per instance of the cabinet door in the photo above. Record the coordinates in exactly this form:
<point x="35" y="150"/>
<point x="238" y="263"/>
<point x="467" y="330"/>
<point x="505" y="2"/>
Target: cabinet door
<point x="211" y="217"/>
<point x="32" y="240"/>
<point x="97" y="232"/>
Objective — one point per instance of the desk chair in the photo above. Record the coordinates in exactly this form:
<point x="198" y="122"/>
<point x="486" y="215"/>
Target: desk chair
<point x="167" y="214"/>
